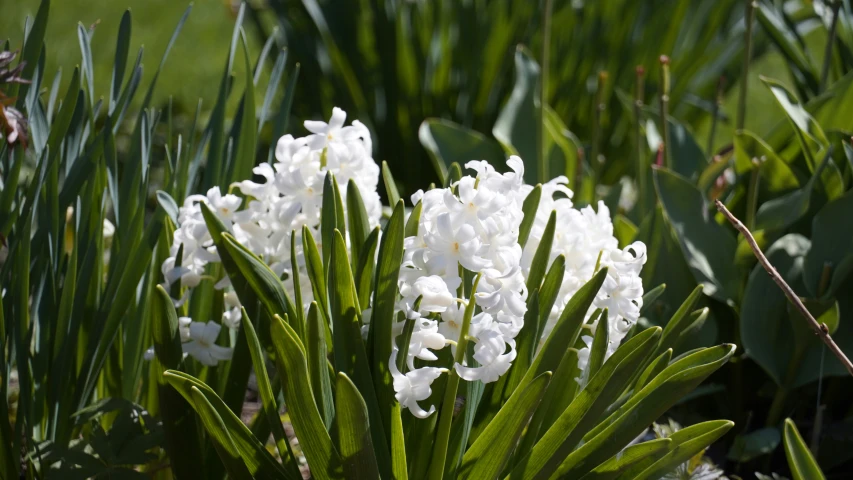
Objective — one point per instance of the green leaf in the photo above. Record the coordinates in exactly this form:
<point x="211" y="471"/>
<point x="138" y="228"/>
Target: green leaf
<point x="786" y="350"/>
<point x="354" y="441"/>
<point x="256" y="458"/>
<point x="617" y="465"/>
<point x="413" y="221"/>
<point x="220" y="435"/>
<point x="32" y="50"/>
<point x="773" y="22"/>
<point x="600" y="345"/>
<point x="321" y="384"/>
<point x="655" y="367"/>
<point x="366" y="265"/>
<point x="543" y="254"/>
<point x="268" y="400"/>
<point x="707" y="246"/>
<point x="783" y="211"/>
<point x="829" y="261"/>
<point x="246" y="141"/>
<point x="263" y="281"/>
<point x="751" y="152"/>
<point x="329" y="214"/>
<point x="487" y="456"/>
<point x="681" y="322"/>
<point x="518" y="125"/>
<point x="800" y="460"/>
<point x="350" y="354"/>
<point x="179" y="424"/>
<point x="624" y="230"/>
<point x="399" y="470"/>
<point x="754" y="444"/>
<point x="390" y="184"/>
<point x="316" y="273"/>
<point x="359" y="224"/>
<point x="610" y="436"/>
<point x="296" y="385"/>
<point x="686" y="443"/>
<point x="584" y="412"/>
<point x="447" y="142"/>
<point x="122" y="50"/>
<point x="529" y="208"/>
<point x="384" y="299"/>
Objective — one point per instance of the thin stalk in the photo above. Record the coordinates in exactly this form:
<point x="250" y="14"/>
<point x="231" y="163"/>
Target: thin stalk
<point x="642" y="167"/>
<point x="827" y="55"/>
<point x="543" y="88"/>
<point x="664" y="108"/>
<point x="747" y="54"/>
<point x="596" y="125"/>
<point x="445" y="419"/>
<point x="715" y="112"/>
<point x="820" y="329"/>
<point x="752" y="193"/>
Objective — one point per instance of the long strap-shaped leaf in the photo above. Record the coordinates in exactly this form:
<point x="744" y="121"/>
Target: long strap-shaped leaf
<point x="222" y="440"/>
<point x="620" y="463"/>
<point x="270" y="405"/>
<point x="643" y="408"/>
<point x="686" y="443"/>
<point x="323" y="458"/>
<point x="318" y="370"/>
<point x="354" y="441"/>
<point x="584" y="411"/>
<point x="182" y="441"/>
<point x="350" y="354"/>
<point x="384" y="299"/>
<point x="800" y="460"/>
<point x="257" y="459"/>
<point x="488" y="455"/>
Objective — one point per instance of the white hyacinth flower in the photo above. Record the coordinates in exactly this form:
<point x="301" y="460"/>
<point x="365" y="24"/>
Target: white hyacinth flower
<point x="202" y="345"/>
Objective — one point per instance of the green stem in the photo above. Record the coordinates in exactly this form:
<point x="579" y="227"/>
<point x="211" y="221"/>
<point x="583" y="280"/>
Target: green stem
<point x="715" y="112"/>
<point x="664" y="109"/>
<point x="543" y="88"/>
<point x="778" y="406"/>
<point x="638" y="136"/>
<point x="827" y="56"/>
<point x="445" y="419"/>
<point x="752" y="195"/>
<point x="741" y="105"/>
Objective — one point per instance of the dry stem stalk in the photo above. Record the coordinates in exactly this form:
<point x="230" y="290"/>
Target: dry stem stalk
<point x="820" y="329"/>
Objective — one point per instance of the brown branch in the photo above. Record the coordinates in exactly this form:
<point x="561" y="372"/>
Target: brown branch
<point x="820" y="329"/>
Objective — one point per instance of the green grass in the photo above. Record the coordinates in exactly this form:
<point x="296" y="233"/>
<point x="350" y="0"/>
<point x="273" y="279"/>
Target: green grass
<point x="195" y="62"/>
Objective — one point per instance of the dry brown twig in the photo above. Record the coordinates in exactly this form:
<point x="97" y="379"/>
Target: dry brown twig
<point x="820" y="329"/>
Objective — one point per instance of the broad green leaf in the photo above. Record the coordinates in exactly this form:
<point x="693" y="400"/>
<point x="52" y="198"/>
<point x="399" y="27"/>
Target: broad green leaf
<point x="487" y="456"/>
<point x="686" y="156"/>
<point x="447" y="142"/>
<point x="384" y="299"/>
<point x="624" y="230"/>
<point x="354" y="441"/>
<point x="220" y="436"/>
<point x="518" y="125"/>
<point x="751" y="151"/>
<point x="349" y="352"/>
<point x="617" y="465"/>
<point x="829" y="261"/>
<point x="529" y="208"/>
<point x="800" y="460"/>
<point x="686" y="443"/>
<point x="753" y="444"/>
<point x="268" y="400"/>
<point x="783" y="211"/>
<point x="707" y="246"/>
<point x="256" y="458"/>
<point x="583" y="413"/>
<point x="610" y="436"/>
<point x="767" y="334"/>
<point x="296" y="385"/>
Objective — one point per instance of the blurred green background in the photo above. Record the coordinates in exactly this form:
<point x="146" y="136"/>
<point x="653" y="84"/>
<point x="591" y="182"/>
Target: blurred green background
<point x="393" y="64"/>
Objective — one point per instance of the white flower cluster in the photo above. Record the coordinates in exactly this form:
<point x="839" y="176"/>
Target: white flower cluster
<point x="471" y="226"/>
<point x="585" y="237"/>
<point x="290" y="197"/>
